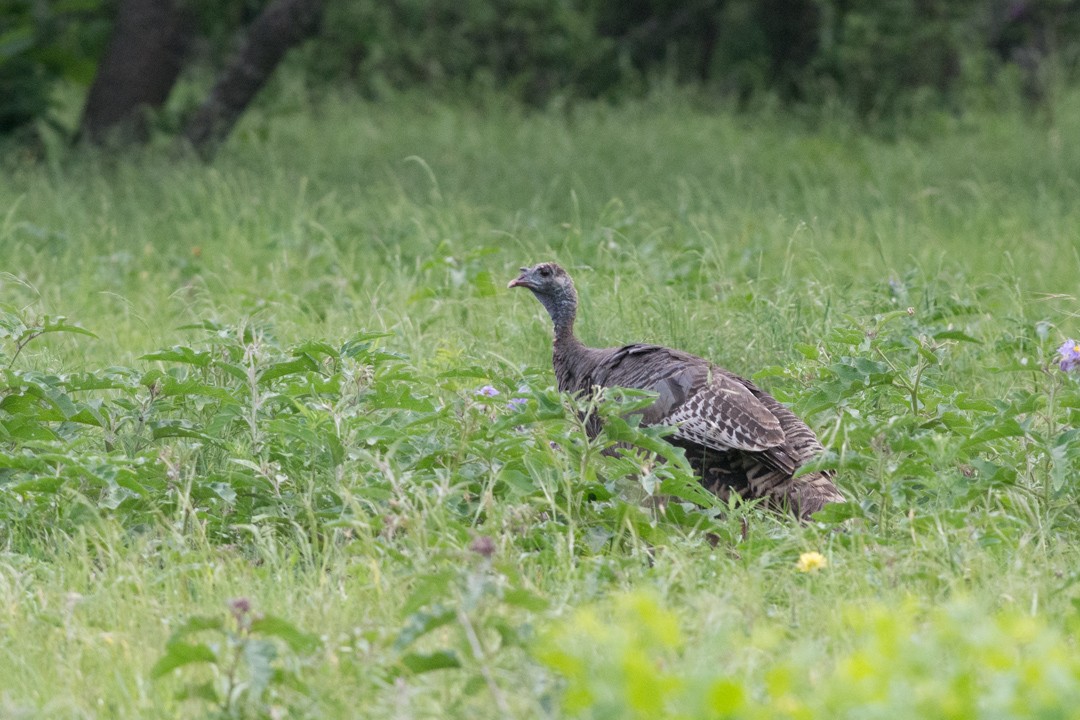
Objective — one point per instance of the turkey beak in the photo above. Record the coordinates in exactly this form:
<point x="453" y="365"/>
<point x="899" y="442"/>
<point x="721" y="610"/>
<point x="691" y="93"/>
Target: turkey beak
<point x="521" y="280"/>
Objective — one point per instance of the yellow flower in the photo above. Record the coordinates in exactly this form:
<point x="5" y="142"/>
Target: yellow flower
<point x="811" y="562"/>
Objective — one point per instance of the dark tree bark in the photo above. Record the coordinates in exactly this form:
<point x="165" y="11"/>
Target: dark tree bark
<point x="149" y="42"/>
<point x="791" y="29"/>
<point x="280" y="26"/>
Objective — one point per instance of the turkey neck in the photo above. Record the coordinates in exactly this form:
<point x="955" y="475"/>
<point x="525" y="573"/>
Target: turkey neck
<point x="563" y="310"/>
<point x="567" y="350"/>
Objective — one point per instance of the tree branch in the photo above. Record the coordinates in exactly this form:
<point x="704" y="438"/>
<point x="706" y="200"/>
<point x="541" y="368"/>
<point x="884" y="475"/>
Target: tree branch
<point x="280" y="26"/>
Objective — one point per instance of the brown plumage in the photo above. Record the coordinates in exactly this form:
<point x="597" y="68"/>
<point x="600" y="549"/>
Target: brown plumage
<point x="737" y="437"/>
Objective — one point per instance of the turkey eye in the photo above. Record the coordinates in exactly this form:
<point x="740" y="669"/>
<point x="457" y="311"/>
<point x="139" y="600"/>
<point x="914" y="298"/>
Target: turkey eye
<point x="545" y="272"/>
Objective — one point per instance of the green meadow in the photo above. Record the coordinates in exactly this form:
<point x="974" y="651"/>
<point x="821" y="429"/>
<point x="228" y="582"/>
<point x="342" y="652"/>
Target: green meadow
<point x="245" y="470"/>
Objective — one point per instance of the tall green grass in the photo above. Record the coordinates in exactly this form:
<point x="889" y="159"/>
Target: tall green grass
<point x="776" y="249"/>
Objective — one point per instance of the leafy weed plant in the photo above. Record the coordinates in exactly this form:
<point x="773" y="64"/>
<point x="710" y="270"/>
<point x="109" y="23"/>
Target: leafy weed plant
<point x="251" y="673"/>
<point x="213" y="423"/>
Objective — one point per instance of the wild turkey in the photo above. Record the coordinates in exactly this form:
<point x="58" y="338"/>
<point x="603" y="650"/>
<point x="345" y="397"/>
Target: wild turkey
<point x="737" y="437"/>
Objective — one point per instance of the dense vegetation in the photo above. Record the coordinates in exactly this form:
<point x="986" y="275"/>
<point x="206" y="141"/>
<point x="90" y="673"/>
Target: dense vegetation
<point x="274" y="441"/>
<point x="884" y="60"/>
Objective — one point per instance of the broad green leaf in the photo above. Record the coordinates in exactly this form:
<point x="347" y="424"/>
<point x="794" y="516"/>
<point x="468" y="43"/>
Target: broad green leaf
<point x="515" y="477"/>
<point x="297" y="640"/>
<point x="232" y="369"/>
<point x="62" y="402"/>
<point x="27" y="429"/>
<point x="845" y="336"/>
<point x="197" y="623"/>
<point x="957" y="422"/>
<point x="224" y="491"/>
<point x="304" y="363"/>
<point x="421" y="623"/>
<point x="522" y="598"/>
<point x="20" y="404"/>
<point x="428" y="589"/>
<point x="835" y="513"/>
<point x="317" y="347"/>
<point x="1065" y="458"/>
<point x="180" y="428"/>
<point x="110" y="380"/>
<point x="42" y="485"/>
<point x="927" y="354"/>
<point x="402" y="398"/>
<point x="956" y="335"/>
<point x="59" y="323"/>
<point x="11" y="325"/>
<point x="770" y="371"/>
<point x="180" y="354"/>
<point x="199" y="691"/>
<point x="178" y="654"/>
<point x="510" y="635"/>
<point x="426" y="662"/>
<point x="965" y="402"/>
<point x="360" y="344"/>
<point x="1069" y="400"/>
<point x="89" y="414"/>
<point x="1003" y="427"/>
<point x="691" y="491"/>
<point x="259" y="656"/>
<point x="827" y="460"/>
<point x="888" y="317"/>
<point x="128" y="482"/>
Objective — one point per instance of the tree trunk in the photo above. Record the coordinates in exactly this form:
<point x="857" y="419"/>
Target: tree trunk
<point x="149" y="42"/>
<point x="792" y="30"/>
<point x="281" y="25"/>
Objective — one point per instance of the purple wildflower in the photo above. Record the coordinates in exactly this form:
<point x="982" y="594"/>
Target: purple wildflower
<point x="487" y="391"/>
<point x="240" y="606"/>
<point x="517" y="403"/>
<point x="241" y="611"/>
<point x="1070" y="355"/>
<point x="483" y="546"/>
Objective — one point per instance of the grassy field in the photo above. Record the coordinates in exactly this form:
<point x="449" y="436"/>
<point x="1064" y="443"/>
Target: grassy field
<point x="267" y="487"/>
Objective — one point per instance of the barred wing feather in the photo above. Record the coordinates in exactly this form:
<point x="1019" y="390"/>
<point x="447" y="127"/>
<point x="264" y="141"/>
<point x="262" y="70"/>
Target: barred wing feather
<point x="709" y="406"/>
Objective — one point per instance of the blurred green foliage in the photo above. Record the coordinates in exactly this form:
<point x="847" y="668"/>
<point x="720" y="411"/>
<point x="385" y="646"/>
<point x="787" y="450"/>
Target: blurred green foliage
<point x="40" y="43"/>
<point x="625" y="658"/>
<point x="535" y="49"/>
<point x="884" y="59"/>
<point x="880" y="58"/>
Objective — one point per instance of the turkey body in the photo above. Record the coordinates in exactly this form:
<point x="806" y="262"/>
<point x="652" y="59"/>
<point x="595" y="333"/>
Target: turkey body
<point x="737" y="438"/>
